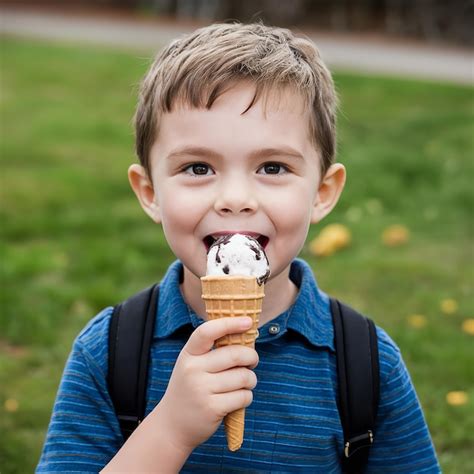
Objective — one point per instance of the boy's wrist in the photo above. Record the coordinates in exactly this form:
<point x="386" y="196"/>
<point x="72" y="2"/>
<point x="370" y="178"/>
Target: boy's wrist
<point x="152" y="446"/>
<point x="166" y="433"/>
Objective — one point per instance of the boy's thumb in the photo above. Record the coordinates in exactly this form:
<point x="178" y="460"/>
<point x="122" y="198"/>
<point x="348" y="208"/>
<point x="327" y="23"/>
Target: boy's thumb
<point x="203" y="338"/>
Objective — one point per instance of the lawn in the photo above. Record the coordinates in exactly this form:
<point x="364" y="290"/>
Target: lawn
<point x="74" y="240"/>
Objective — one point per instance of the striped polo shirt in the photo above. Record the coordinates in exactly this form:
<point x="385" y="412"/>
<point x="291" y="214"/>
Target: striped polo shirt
<point x="293" y="424"/>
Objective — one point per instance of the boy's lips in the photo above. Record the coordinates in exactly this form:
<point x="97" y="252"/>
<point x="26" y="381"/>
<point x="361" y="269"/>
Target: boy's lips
<point x="211" y="238"/>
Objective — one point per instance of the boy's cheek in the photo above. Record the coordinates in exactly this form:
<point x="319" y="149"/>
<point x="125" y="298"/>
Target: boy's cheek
<point x="189" y="251"/>
<point x="291" y="209"/>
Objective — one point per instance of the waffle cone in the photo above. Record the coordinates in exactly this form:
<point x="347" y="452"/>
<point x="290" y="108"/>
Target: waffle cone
<point x="227" y="297"/>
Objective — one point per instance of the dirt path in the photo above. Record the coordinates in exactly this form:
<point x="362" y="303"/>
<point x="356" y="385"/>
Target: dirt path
<point x="343" y="52"/>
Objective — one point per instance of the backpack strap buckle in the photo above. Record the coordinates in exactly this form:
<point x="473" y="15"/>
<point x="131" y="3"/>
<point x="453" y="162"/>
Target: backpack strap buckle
<point x="128" y="424"/>
<point x="357" y="442"/>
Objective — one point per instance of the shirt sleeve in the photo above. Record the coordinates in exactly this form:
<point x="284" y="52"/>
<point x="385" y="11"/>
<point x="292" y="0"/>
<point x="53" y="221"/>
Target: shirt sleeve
<point x="402" y="441"/>
<point x="83" y="433"/>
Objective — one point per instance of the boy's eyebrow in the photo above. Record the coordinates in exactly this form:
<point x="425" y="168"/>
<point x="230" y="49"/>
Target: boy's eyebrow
<point x="204" y="152"/>
<point x="197" y="151"/>
<point x="283" y="150"/>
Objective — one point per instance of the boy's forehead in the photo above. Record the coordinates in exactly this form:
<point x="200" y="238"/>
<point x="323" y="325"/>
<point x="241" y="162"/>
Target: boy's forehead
<point x="278" y="119"/>
<point x="245" y="98"/>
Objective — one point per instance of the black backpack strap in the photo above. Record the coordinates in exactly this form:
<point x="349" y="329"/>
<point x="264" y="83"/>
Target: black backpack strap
<point x="358" y="375"/>
<point x="130" y="336"/>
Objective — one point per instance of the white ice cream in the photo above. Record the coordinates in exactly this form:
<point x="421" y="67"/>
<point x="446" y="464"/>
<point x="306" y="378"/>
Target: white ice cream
<point x="237" y="254"/>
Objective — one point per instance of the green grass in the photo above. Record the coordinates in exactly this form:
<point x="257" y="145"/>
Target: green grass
<point x="74" y="240"/>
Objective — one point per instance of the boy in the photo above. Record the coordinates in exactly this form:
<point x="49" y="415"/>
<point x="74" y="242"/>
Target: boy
<point x="235" y="132"/>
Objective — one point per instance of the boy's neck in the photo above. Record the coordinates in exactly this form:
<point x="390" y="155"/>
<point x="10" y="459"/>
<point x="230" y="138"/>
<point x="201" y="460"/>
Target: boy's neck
<point x="280" y="294"/>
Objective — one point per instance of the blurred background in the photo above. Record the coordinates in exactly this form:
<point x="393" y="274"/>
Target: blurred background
<point x="432" y="20"/>
<point x="399" y="245"/>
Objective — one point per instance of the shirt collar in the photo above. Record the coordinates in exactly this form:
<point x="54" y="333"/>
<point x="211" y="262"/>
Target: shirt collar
<point x="172" y="311"/>
<point x="309" y="315"/>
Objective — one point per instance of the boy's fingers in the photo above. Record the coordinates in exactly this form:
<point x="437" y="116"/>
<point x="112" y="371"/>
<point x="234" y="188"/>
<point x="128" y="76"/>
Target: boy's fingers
<point x="204" y="337"/>
<point x="228" y="402"/>
<point x="227" y="357"/>
<point x="234" y="379"/>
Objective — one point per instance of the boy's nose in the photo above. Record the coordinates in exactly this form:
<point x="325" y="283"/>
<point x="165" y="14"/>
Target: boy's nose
<point x="235" y="199"/>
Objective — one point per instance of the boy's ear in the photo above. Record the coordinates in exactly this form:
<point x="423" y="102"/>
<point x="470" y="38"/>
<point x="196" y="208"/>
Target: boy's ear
<point x="330" y="188"/>
<point x="143" y="188"/>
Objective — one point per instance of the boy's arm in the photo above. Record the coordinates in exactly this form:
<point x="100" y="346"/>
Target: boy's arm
<point x="84" y="433"/>
<point x="402" y="440"/>
<point x="205" y="385"/>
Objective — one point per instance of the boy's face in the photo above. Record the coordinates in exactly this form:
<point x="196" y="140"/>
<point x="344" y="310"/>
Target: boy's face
<point x="220" y="171"/>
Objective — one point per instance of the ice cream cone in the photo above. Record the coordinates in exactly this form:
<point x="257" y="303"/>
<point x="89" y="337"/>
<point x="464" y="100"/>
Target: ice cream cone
<point x="231" y="296"/>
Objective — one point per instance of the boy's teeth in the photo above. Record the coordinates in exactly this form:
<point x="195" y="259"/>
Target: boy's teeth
<point x="218" y="236"/>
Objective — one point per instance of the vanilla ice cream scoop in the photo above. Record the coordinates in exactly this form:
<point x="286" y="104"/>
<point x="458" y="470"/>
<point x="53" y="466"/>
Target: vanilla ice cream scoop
<point x="237" y="254"/>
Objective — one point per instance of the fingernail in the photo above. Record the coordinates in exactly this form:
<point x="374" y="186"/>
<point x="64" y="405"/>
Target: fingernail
<point x="246" y="322"/>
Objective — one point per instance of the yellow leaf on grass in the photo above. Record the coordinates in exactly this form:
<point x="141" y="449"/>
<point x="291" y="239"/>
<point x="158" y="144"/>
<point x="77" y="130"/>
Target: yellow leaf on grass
<point x="331" y="239"/>
<point x="320" y="248"/>
<point x="417" y="321"/>
<point x="457" y="398"/>
<point x="468" y="326"/>
<point x="395" y="235"/>
<point x="449" y="306"/>
<point x="11" y="405"/>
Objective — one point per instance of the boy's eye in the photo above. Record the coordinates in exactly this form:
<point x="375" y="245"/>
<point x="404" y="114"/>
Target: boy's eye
<point x="273" y="168"/>
<point x="198" y="169"/>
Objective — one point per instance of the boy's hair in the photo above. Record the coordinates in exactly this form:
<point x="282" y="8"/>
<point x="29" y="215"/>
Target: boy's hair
<point x="196" y="69"/>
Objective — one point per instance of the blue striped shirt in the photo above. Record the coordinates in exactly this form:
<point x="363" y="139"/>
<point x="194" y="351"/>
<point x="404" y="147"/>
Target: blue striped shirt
<point x="293" y="423"/>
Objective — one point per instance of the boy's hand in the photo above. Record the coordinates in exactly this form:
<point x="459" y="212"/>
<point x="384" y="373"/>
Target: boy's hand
<point x="207" y="384"/>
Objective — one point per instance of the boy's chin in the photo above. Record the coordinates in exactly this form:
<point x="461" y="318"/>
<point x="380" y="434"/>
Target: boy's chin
<point x="194" y="272"/>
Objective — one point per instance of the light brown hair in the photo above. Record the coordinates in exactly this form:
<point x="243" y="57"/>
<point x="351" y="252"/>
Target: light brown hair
<point x="196" y="69"/>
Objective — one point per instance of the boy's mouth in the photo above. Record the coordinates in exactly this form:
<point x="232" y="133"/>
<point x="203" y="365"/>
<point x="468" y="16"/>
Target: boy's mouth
<point x="211" y="238"/>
